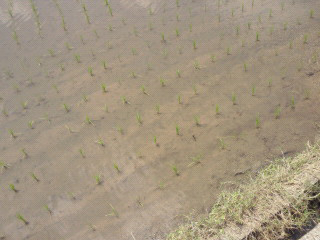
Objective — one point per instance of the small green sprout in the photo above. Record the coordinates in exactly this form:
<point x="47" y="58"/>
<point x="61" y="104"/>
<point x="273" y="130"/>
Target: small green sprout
<point x="66" y="107"/>
<point x="88" y="121"/>
<point x="177" y="130"/>
<point x="90" y="71"/>
<point x="30" y="124"/>
<point x="116" y="167"/>
<point x="139" y="119"/>
<point x="175" y="170"/>
<point x="114" y="212"/>
<point x="98" y="179"/>
<point x="81" y="151"/>
<point x="104" y="87"/>
<point x="292" y="102"/>
<point x="46" y="207"/>
<point x="157" y="107"/>
<point x="12" y="134"/>
<point x="35" y="177"/>
<point x="13" y="188"/>
<point x="24" y="153"/>
<point x="21" y="218"/>
<point x="277" y="112"/>
<point x="217" y="109"/>
<point x="258" y="121"/>
<point x="253" y="91"/>
<point x="221" y="143"/>
<point x="197" y="120"/>
<point x="234" y="99"/>
<point x="194" y="43"/>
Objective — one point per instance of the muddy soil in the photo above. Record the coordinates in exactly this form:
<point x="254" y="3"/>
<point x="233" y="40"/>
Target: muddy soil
<point x="236" y="86"/>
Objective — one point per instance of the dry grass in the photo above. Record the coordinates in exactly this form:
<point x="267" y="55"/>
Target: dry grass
<point x="269" y="206"/>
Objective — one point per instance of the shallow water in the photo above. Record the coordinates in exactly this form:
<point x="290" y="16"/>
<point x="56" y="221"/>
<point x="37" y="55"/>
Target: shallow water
<point x="148" y="197"/>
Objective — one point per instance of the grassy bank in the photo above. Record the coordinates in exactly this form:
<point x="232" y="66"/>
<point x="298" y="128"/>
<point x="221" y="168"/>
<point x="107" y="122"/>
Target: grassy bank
<point x="272" y="205"/>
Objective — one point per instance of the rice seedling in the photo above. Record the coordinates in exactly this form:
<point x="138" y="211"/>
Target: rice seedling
<point x="98" y="179"/>
<point x="290" y="45"/>
<point x="257" y="37"/>
<point x="90" y="71"/>
<point x="219" y="18"/>
<point x="123" y="21"/>
<point x="305" y="39"/>
<point x="237" y="30"/>
<point x="245" y="67"/>
<point x="116" y="167"/>
<point x="195" y="160"/>
<point x="190" y="27"/>
<point x="71" y="195"/>
<point x="178" y="73"/>
<point x="311" y="13"/>
<point x="143" y="89"/>
<point x="22" y="219"/>
<point x="242" y="7"/>
<point x="82" y="40"/>
<point x="24" y="153"/>
<point x="270" y="13"/>
<point x="81" y="151"/>
<point x="213" y="58"/>
<point x="133" y="74"/>
<point x="155" y="140"/>
<point x="217" y="109"/>
<point x="150" y="26"/>
<point x="162" y="82"/>
<point x="51" y="52"/>
<point x="150" y="11"/>
<point x="252" y="4"/>
<point x="282" y="6"/>
<point x="35" y="177"/>
<point x="285" y="26"/>
<point x="228" y="51"/>
<point x="197" y="120"/>
<point x="96" y="33"/>
<point x="124" y="100"/>
<point x="249" y="25"/>
<point x="104" y="88"/>
<point x="63" y="24"/>
<point x="222" y="143"/>
<point x="15" y="37"/>
<point x="194" y="43"/>
<point x="110" y="10"/>
<point x="178" y="3"/>
<point x="157" y="107"/>
<point x="120" y="130"/>
<point x="292" y="103"/>
<point x="163" y="38"/>
<point x="12" y="134"/>
<point x="66" y="108"/>
<point x="270" y="83"/>
<point x="13" y="188"/>
<point x="4" y="165"/>
<point x="259" y="19"/>
<point x="139" y="119"/>
<point x="277" y="112"/>
<point x="179" y="99"/>
<point x="85" y="98"/>
<point x="253" y="91"/>
<point x="88" y="121"/>
<point x="135" y="31"/>
<point x="232" y="12"/>
<point x="46" y="207"/>
<point x="177" y="130"/>
<point x="196" y="65"/>
<point x="92" y="227"/>
<point x="30" y="124"/>
<point x="177" y="32"/>
<point x="258" y="121"/>
<point x="175" y="170"/>
<point x="114" y="212"/>
<point x="234" y="99"/>
<point x="77" y="58"/>
<point x="306" y="94"/>
<point x="5" y="112"/>
<point x="62" y="67"/>
<point x="178" y="18"/>
<point x="195" y="90"/>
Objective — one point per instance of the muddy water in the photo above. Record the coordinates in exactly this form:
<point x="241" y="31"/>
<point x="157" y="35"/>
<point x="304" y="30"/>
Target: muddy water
<point x="146" y="199"/>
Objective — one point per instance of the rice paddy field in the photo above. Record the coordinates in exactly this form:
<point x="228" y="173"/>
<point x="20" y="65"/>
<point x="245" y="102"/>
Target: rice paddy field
<point x="120" y="118"/>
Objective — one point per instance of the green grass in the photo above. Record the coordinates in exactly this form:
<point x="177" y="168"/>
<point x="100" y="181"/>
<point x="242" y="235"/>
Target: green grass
<point x="4" y="165"/>
<point x="31" y="124"/>
<point x="90" y="71"/>
<point x="311" y="13"/>
<point x="177" y="130"/>
<point x="292" y="103"/>
<point x="77" y="58"/>
<point x="272" y="204"/>
<point x="217" y="109"/>
<point x="234" y="99"/>
<point x="88" y="120"/>
<point x="305" y="38"/>
<point x="194" y="44"/>
<point x="12" y="134"/>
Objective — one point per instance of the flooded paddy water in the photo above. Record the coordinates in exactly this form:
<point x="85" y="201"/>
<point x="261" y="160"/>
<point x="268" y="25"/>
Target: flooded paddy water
<point x="119" y="118"/>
